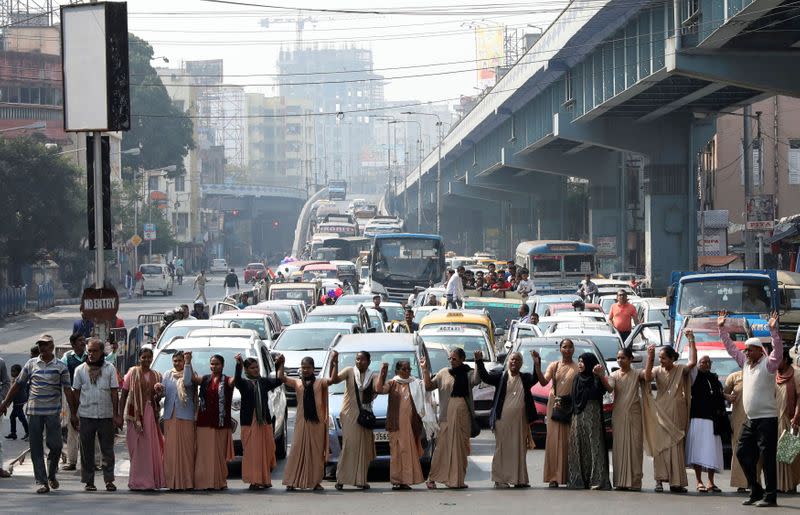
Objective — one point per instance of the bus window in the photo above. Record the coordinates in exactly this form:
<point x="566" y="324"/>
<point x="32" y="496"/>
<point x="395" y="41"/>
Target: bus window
<point x="579" y="264"/>
<point x="544" y="264"/>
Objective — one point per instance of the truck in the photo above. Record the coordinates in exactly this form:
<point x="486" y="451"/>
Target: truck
<point x="748" y="294"/>
<point x="337" y="189"/>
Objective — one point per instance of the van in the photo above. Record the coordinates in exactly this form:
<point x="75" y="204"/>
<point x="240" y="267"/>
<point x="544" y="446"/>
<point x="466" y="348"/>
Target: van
<point x="157" y="278"/>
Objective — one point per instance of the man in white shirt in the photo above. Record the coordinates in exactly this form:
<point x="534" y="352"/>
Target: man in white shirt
<point x="758" y="441"/>
<point x="455" y="288"/>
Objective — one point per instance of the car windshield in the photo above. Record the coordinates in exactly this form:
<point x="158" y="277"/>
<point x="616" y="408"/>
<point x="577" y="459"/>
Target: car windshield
<point x="310" y="338"/>
<point x="255" y="266"/>
<point x="173" y="330"/>
<point x="151" y="269"/>
<point x="734" y="296"/>
<point x="710" y="337"/>
<point x="377" y="321"/>
<point x="351" y="318"/>
<point x="543" y="264"/>
<point x="469" y="343"/>
<point x="608" y="345"/>
<point x="579" y="263"/>
<point x="502" y="314"/>
<point x="313" y="275"/>
<point x="412" y="259"/>
<point x="395" y="312"/>
<point x="256" y="324"/>
<point x="291" y="294"/>
<point x="348" y="359"/>
<point x="548" y="353"/>
<point x="349" y="300"/>
<point x="284" y="315"/>
<point x="658" y="315"/>
<point x="201" y="359"/>
<point x="542" y="305"/>
<point x="439" y="359"/>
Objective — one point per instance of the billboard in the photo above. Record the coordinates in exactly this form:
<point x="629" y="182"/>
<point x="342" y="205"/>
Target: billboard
<point x="488" y="51"/>
<point x="760" y="212"/>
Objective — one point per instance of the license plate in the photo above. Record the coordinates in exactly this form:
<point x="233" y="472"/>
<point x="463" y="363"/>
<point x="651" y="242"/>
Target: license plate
<point x="383" y="436"/>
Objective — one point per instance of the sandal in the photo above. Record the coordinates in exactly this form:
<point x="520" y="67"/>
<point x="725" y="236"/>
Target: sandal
<point x="501" y="485"/>
<point x="338" y="486"/>
<point x="43" y="489"/>
<point x="431" y="485"/>
<point x="553" y="484"/>
<point x="700" y="488"/>
<point x="318" y="488"/>
<point x="522" y="485"/>
<point x="290" y="489"/>
<point x="714" y="488"/>
<point x="659" y="488"/>
<point x="54" y="484"/>
<point x="110" y="487"/>
<point x="364" y="486"/>
<point x="5" y="474"/>
<point x="90" y="487"/>
<point x="252" y="487"/>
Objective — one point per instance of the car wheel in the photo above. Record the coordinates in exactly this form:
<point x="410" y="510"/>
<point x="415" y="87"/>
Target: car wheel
<point x="280" y="443"/>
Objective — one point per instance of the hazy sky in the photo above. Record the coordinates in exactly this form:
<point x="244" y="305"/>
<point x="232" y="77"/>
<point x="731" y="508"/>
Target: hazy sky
<point x="412" y="34"/>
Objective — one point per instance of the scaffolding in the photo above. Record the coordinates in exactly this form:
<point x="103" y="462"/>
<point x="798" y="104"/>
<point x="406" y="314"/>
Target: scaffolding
<point x="28" y="13"/>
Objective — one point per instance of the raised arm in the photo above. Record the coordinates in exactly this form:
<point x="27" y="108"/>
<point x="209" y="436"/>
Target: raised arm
<point x="486" y="376"/>
<point x="537" y="369"/>
<point x="335" y="378"/>
<point x="692" y="351"/>
<point x="426" y="375"/>
<point x="237" y="375"/>
<point x="776" y="356"/>
<point x="189" y="377"/>
<point x="381" y="385"/>
<point x="648" y="368"/>
<point x="600" y="372"/>
<point x="733" y="351"/>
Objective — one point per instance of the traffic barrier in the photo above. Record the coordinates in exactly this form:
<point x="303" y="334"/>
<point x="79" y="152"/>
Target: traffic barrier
<point x="45" y="296"/>
<point x="13" y="300"/>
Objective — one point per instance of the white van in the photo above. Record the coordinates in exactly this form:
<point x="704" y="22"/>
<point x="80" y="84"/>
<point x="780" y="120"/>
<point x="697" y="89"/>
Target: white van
<point x="156" y="278"/>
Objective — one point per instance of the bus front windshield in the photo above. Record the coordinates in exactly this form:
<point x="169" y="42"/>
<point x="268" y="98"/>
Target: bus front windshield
<point x="407" y="259"/>
<point x="732" y="295"/>
<point x="579" y="264"/>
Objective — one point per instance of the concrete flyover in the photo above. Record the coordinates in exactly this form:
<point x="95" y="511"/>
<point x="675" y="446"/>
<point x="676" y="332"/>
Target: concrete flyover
<point x="255" y="220"/>
<point x="608" y="80"/>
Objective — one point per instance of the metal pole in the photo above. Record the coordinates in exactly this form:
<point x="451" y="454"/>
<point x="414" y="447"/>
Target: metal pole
<point x="99" y="252"/>
<point x="149" y="221"/>
<point x="760" y="251"/>
<point x="136" y="223"/>
<point x="439" y="184"/>
<point x="747" y="155"/>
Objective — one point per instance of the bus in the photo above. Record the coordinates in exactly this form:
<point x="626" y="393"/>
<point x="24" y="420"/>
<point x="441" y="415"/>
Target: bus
<point x="399" y="263"/>
<point x="556" y="266"/>
<point x="337" y="190"/>
<point x="748" y="294"/>
<point x="342" y="229"/>
<point x="349" y="248"/>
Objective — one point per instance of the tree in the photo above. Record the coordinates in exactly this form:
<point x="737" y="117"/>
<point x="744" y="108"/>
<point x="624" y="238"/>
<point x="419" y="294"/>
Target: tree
<point x="161" y="130"/>
<point x="44" y="203"/>
<point x="124" y="199"/>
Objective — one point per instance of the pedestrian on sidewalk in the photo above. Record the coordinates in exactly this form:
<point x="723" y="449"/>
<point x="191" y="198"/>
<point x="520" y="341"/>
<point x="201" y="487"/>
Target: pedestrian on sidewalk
<point x="48" y="378"/>
<point x="758" y="441"/>
<point x="5" y="385"/>
<point x="84" y="325"/>
<point x="73" y="359"/>
<point x="95" y="413"/>
<point x="129" y="283"/>
<point x="231" y="283"/>
<point x="18" y="411"/>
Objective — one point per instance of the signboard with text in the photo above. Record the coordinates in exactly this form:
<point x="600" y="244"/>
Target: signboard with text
<point x="100" y="304"/>
<point x="149" y="232"/>
<point x="760" y="210"/>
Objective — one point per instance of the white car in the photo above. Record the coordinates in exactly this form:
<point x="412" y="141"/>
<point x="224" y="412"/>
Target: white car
<point x="517" y="330"/>
<point x="604" y="336"/>
<point x="259" y="322"/>
<point x="180" y="328"/>
<point x="203" y="348"/>
<point x="219" y="266"/>
<point x="156" y="278"/>
<point x="654" y="309"/>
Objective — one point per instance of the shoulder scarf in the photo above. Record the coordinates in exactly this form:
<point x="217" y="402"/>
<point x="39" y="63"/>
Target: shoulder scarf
<point x="259" y="407"/>
<point x="309" y="400"/>
<point x="461" y="379"/>
<point x="134" y="410"/>
<point x="420" y="397"/>
<point x="364" y="385"/>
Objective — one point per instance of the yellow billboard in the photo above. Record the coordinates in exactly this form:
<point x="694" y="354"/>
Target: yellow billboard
<point x="488" y="50"/>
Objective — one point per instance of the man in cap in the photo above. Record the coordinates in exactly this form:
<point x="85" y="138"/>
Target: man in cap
<point x="758" y="441"/>
<point x="48" y="378"/>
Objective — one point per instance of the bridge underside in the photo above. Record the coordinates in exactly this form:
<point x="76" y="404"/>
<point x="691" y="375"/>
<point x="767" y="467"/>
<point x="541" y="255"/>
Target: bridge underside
<point x="660" y="110"/>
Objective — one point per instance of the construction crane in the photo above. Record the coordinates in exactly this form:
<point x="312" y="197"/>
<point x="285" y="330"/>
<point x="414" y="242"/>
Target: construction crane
<point x="299" y="22"/>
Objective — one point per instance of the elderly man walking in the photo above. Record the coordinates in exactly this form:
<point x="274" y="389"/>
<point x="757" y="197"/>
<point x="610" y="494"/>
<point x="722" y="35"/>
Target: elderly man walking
<point x="48" y="377"/>
<point x="95" y="413"/>
<point x="759" y="437"/>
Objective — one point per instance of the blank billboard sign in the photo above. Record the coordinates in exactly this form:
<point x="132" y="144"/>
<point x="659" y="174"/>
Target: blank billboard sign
<point x="94" y="53"/>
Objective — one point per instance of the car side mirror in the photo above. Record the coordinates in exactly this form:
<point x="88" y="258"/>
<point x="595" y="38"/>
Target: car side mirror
<point x="502" y="357"/>
<point x="638" y="347"/>
<point x="372" y="330"/>
<point x="636" y="359"/>
<point x="499" y="331"/>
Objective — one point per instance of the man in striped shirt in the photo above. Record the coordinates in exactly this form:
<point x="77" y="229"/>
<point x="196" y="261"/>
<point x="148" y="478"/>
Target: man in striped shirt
<point x="48" y="378"/>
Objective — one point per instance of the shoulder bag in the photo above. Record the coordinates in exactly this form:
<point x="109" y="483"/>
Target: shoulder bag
<point x="366" y="418"/>
<point x="562" y="405"/>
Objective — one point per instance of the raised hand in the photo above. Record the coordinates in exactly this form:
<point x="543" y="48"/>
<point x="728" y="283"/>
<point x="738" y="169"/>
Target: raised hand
<point x="689" y="335"/>
<point x="537" y="359"/>
<point x="187" y="357"/>
<point x="723" y="315"/>
<point x="280" y="360"/>
<point x="238" y="357"/>
<point x="478" y="355"/>
<point x="384" y="368"/>
<point x="334" y="356"/>
<point x="773" y="321"/>
<point x="423" y="363"/>
<point x="651" y="349"/>
<point x="598" y="370"/>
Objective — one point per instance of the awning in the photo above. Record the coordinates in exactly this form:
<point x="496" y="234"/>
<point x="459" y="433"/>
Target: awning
<point x="792" y="230"/>
<point x="715" y="261"/>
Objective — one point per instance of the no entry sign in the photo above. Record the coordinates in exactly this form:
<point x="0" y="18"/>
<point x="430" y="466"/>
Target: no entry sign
<point x="100" y="304"/>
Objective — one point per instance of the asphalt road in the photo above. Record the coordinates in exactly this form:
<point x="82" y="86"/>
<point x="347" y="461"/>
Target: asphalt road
<point x="17" y="494"/>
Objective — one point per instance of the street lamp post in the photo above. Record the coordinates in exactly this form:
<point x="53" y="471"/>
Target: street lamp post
<point x="405" y="176"/>
<point x="147" y="174"/>
<point x="438" y="176"/>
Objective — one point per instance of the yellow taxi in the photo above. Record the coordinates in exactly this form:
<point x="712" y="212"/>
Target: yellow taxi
<point x="475" y="319"/>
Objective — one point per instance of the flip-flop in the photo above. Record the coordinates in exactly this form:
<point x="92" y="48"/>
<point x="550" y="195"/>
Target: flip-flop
<point x="110" y="487"/>
<point x="90" y="488"/>
<point x="431" y="485"/>
<point x="714" y="488"/>
<point x="701" y="488"/>
<point x="659" y="488"/>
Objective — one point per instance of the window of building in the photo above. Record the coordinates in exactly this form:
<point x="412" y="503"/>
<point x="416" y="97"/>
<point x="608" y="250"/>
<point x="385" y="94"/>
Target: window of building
<point x="794" y="161"/>
<point x="180" y="183"/>
<point x="152" y="183"/>
<point x="182" y="223"/>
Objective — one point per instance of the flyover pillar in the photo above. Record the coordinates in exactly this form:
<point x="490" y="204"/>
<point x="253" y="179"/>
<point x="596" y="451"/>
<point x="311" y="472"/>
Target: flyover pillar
<point x="549" y="207"/>
<point x="607" y="217"/>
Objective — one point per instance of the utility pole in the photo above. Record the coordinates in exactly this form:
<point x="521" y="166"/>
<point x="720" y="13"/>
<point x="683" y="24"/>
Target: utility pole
<point x="747" y="155"/>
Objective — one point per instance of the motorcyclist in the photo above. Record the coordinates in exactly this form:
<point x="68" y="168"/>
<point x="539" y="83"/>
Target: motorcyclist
<point x="199" y="311"/>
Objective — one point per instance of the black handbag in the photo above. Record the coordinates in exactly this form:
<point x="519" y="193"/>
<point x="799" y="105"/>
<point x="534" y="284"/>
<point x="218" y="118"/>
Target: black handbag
<point x="562" y="412"/>
<point x="366" y="418"/>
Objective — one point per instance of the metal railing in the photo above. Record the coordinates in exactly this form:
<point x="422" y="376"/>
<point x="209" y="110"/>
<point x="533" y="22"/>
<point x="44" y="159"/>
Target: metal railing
<point x="45" y="296"/>
<point x="13" y="300"/>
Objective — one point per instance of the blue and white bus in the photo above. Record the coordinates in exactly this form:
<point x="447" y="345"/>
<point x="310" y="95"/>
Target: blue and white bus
<point x="556" y="266"/>
<point x="337" y="189"/>
<point x="401" y="262"/>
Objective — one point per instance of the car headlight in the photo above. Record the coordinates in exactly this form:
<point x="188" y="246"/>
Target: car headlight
<point x="236" y="405"/>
